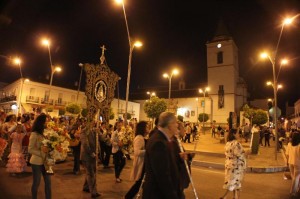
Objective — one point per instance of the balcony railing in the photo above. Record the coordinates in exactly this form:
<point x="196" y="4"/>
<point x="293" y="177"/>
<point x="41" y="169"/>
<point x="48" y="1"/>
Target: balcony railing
<point x="60" y="103"/>
<point x="32" y="99"/>
<point x="46" y="101"/>
<point x="8" y="98"/>
<point x="122" y="111"/>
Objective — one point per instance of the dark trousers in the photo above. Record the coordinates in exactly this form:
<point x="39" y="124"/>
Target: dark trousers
<point x="267" y="140"/>
<point x="37" y="172"/>
<point x="90" y="177"/>
<point x="119" y="161"/>
<point x="187" y="137"/>
<point x="102" y="151"/>
<point x="107" y="150"/>
<point x="135" y="187"/>
<point x="76" y="154"/>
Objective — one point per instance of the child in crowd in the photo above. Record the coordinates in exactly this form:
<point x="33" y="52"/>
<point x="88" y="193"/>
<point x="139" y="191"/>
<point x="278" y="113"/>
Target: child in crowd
<point x="16" y="162"/>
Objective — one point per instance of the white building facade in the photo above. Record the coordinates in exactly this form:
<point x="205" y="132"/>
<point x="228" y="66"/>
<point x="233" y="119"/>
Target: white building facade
<point x="23" y="96"/>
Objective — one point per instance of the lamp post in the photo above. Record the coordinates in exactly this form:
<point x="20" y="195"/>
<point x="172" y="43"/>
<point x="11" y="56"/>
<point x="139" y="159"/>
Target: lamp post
<point x="81" y="66"/>
<point x="54" y="69"/>
<point x="151" y="94"/>
<point x="204" y="92"/>
<point x="18" y="61"/>
<point x="132" y="45"/>
<point x="197" y="101"/>
<point x="169" y="76"/>
<point x="273" y="59"/>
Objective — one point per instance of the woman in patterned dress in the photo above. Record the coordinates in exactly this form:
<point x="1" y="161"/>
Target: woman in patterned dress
<point x="235" y="165"/>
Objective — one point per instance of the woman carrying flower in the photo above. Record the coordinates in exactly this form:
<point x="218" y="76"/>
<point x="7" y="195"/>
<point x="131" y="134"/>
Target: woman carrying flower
<point x="117" y="145"/>
<point x="38" y="152"/>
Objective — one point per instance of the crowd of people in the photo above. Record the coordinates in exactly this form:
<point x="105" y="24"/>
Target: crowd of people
<point x="161" y="167"/>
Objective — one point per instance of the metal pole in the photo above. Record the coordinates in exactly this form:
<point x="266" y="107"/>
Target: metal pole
<point x="129" y="64"/>
<point x="20" y="98"/>
<point x="275" y="108"/>
<point x="118" y="97"/>
<point x="203" y="112"/>
<point x="52" y="71"/>
<point x="50" y="85"/>
<point x="128" y="83"/>
<point x="80" y="65"/>
<point x="19" y="108"/>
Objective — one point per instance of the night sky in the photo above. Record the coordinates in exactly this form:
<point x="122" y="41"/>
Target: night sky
<point x="173" y="33"/>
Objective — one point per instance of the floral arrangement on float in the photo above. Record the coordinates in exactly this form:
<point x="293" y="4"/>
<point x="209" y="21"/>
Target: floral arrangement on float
<point x="3" y="144"/>
<point x="57" y="142"/>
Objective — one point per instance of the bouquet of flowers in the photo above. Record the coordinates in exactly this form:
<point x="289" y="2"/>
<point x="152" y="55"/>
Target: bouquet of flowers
<point x="127" y="137"/>
<point x="58" y="146"/>
<point x="3" y="144"/>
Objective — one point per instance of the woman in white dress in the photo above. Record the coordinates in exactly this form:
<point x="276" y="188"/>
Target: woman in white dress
<point x="235" y="165"/>
<point x="138" y="170"/>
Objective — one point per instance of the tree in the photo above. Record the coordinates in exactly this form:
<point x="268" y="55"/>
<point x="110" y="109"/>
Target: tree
<point x="249" y="113"/>
<point x="260" y="117"/>
<point x="202" y="116"/>
<point x="73" y="108"/>
<point x="154" y="107"/>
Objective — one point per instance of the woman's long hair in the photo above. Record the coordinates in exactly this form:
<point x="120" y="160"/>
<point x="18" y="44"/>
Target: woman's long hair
<point x="39" y="124"/>
<point x="295" y="138"/>
<point x="141" y="128"/>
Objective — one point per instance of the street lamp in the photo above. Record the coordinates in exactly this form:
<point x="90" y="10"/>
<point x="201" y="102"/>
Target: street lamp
<point x="132" y="45"/>
<point x="204" y="91"/>
<point x="17" y="61"/>
<point x="279" y="86"/>
<point x="169" y="76"/>
<point x="272" y="59"/>
<point x="151" y="94"/>
<point x="46" y="42"/>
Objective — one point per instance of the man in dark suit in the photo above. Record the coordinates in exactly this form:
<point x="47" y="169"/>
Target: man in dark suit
<point x="162" y="172"/>
<point x="88" y="158"/>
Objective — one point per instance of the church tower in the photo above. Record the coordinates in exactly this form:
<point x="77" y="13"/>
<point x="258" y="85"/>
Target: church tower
<point x="223" y="75"/>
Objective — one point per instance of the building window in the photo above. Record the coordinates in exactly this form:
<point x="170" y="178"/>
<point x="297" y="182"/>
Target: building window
<point x="31" y="93"/>
<point x="220" y="57"/>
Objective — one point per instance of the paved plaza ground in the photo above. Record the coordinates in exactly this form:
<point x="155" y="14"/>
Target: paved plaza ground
<point x="208" y="180"/>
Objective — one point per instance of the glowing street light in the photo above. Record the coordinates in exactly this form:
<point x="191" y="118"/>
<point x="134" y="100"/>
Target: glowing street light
<point x="169" y="76"/>
<point x="151" y="94"/>
<point x="132" y="45"/>
<point x="272" y="59"/>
